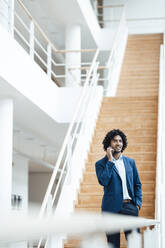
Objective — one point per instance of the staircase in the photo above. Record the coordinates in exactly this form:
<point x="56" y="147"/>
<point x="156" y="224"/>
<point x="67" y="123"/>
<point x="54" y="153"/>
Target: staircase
<point x="133" y="110"/>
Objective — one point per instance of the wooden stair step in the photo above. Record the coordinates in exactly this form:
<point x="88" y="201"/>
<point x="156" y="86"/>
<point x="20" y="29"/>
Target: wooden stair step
<point x="148" y="156"/>
<point x="129" y="132"/>
<point x="113" y="108"/>
<point x="126" y="100"/>
<point x="138" y="105"/>
<point x="117" y="120"/>
<point x="147" y="116"/>
<point x="133" y="116"/>
<point x="97" y="204"/>
<point x="146" y="204"/>
<point x="151" y="87"/>
<point x="129" y="99"/>
<point x="132" y="93"/>
<point x="149" y="79"/>
<point x="96" y="188"/>
<point x="90" y="199"/>
<point x="124" y="125"/>
<point x="91" y="177"/>
<point x="132" y="140"/>
<point x="140" y="167"/>
<point x="139" y="163"/>
<point x="129" y="149"/>
<point x="145" y="163"/>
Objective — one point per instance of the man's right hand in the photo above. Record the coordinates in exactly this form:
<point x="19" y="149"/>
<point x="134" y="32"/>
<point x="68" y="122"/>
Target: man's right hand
<point x="109" y="153"/>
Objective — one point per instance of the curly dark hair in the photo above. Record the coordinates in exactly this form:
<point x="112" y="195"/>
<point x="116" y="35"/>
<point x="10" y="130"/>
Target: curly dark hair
<point x="110" y="135"/>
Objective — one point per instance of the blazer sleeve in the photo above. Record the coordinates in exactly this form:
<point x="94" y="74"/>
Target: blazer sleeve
<point x="137" y="185"/>
<point x="104" y="172"/>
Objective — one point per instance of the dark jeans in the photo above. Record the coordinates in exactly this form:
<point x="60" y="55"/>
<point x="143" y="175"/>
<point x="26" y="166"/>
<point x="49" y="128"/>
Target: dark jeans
<point x="127" y="209"/>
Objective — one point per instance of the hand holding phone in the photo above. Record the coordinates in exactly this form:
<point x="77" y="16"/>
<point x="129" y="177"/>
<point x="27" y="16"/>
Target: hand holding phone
<point x="109" y="152"/>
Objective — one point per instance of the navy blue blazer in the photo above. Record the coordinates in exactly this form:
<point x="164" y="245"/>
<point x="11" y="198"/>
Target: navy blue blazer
<point x="109" y="177"/>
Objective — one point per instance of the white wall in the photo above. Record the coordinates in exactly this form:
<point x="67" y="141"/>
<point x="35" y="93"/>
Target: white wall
<point x="20" y="180"/>
<point x="38" y="183"/>
<point x="151" y="9"/>
<point x="145" y="8"/>
<point x="143" y="16"/>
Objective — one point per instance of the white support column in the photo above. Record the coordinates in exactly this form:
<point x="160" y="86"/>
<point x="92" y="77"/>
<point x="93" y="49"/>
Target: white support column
<point x="6" y="147"/>
<point x="11" y="17"/>
<point x="73" y="42"/>
<point x="4" y="14"/>
<point x="20" y="182"/>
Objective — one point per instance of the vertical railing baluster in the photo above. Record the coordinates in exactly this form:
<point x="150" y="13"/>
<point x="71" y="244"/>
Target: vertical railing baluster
<point x="32" y="39"/>
<point x="94" y="240"/>
<point x="135" y="240"/>
<point x="147" y="238"/>
<point x="49" y="63"/>
<point x="69" y="153"/>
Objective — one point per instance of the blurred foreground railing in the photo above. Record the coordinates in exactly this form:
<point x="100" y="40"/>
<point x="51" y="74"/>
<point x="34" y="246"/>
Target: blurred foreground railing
<point x="88" y="227"/>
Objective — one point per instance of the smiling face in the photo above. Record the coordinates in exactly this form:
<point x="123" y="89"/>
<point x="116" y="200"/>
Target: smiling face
<point x="117" y="144"/>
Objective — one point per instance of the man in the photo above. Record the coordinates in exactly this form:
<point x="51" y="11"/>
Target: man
<point x="119" y="177"/>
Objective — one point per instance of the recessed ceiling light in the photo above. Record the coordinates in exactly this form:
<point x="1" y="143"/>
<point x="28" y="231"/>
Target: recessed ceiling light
<point x="43" y="145"/>
<point x="15" y="130"/>
<point x="30" y="138"/>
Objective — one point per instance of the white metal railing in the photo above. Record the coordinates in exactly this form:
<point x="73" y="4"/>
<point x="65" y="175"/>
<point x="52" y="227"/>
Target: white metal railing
<point x="75" y="130"/>
<point x="160" y="170"/>
<point x="116" y="56"/>
<point x="88" y="227"/>
<point x="30" y="36"/>
<point x="23" y="27"/>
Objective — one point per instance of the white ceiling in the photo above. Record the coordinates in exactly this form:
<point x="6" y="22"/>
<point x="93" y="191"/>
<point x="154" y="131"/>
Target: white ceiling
<point x="51" y="16"/>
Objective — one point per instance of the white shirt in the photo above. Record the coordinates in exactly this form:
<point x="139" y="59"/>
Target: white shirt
<point x="121" y="169"/>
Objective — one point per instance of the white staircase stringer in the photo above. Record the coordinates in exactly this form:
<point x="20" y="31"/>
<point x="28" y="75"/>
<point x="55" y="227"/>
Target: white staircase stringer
<point x="72" y="183"/>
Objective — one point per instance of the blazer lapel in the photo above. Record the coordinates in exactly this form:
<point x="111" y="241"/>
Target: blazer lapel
<point x="114" y="167"/>
<point x="127" y="168"/>
<point x="116" y="170"/>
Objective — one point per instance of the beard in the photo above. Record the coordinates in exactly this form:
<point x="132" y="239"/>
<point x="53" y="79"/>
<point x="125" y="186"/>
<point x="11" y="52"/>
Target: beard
<point x="117" y="151"/>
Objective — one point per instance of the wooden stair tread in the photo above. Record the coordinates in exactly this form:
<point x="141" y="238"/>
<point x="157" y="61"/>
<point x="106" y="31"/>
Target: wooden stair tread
<point x="130" y="99"/>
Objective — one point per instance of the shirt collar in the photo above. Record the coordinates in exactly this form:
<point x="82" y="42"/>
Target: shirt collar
<point x="119" y="159"/>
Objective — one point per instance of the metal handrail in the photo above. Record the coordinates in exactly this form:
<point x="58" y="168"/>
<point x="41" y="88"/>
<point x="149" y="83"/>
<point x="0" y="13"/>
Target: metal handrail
<point x="110" y="6"/>
<point x="87" y="98"/>
<point x="66" y="140"/>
